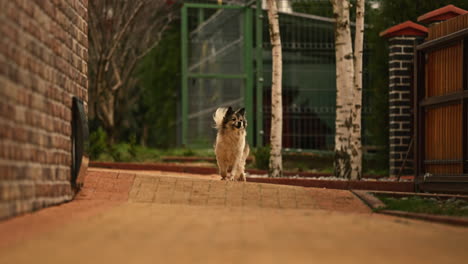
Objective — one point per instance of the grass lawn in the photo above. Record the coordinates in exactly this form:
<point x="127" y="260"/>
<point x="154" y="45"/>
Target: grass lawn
<point x="417" y="204"/>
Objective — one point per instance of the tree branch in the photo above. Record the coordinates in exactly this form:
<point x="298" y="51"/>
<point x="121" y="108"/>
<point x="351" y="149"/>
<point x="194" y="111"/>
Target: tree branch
<point x="119" y="35"/>
<point x="156" y="42"/>
<point x="117" y="76"/>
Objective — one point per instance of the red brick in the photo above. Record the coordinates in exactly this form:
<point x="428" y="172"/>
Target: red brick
<point x="42" y="68"/>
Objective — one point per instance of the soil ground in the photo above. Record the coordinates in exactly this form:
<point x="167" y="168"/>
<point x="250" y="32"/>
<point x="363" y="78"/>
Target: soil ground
<point x="160" y="217"/>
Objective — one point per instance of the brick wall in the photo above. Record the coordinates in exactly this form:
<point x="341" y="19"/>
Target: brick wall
<point x="43" y="63"/>
<point x="400" y="101"/>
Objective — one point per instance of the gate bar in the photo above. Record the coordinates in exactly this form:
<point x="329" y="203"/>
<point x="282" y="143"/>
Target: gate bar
<point x="259" y="73"/>
<point x="184" y="40"/>
<point x="216" y="76"/>
<point x="464" y="105"/>
<point x="419" y="62"/>
<point x="441" y="42"/>
<point x="212" y="6"/>
<point x="248" y="71"/>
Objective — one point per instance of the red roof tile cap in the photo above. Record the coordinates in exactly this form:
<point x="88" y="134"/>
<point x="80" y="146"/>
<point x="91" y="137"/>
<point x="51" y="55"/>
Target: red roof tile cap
<point x="441" y="14"/>
<point x="406" y="28"/>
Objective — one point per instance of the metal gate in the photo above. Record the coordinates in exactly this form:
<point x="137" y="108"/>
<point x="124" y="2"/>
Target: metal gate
<point x="441" y="94"/>
<point x="217" y="63"/>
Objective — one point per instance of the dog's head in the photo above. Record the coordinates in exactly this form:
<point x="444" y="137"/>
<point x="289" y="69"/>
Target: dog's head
<point x="235" y="119"/>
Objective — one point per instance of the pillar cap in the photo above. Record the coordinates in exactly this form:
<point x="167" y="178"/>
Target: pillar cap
<point x="407" y="28"/>
<point x="441" y="14"/>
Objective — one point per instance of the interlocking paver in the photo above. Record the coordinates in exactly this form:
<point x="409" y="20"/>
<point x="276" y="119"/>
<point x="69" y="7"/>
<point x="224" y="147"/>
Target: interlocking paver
<point x="217" y="193"/>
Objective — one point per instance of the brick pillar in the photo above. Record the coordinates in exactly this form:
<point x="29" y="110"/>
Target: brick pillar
<point x="402" y="39"/>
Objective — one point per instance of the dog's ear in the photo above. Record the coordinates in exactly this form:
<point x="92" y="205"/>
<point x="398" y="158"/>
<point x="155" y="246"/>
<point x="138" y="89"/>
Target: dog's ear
<point x="241" y="111"/>
<point x="228" y="115"/>
<point x="229" y="112"/>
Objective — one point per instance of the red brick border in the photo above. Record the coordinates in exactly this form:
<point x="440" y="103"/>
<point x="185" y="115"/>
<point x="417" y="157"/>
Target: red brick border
<point x="341" y="185"/>
<point x="203" y="170"/>
<point x="451" y="220"/>
<point x="330" y="184"/>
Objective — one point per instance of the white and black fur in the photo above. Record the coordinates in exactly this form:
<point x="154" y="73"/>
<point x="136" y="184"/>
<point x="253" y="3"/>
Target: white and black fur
<point x="231" y="146"/>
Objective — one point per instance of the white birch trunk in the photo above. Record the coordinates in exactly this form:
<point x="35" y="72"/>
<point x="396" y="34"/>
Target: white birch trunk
<point x="276" y="164"/>
<point x="356" y="153"/>
<point x="344" y="88"/>
<point x="283" y="5"/>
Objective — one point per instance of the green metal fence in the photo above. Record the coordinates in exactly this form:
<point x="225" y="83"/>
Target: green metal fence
<point x="216" y="68"/>
<point x="227" y="61"/>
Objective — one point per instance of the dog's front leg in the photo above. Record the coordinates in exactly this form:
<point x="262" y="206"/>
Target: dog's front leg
<point x="241" y="172"/>
<point x="223" y="174"/>
<point x="233" y="174"/>
<point x="222" y="171"/>
<point x="238" y="172"/>
<point x="242" y="177"/>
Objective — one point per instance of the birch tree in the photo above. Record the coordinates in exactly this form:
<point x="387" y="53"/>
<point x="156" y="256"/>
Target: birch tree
<point x="348" y="149"/>
<point x="356" y="157"/>
<point x="276" y="163"/>
<point x="282" y="5"/>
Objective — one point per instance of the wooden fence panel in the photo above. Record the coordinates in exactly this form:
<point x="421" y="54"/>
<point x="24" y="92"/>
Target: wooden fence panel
<point x="447" y="27"/>
<point x="443" y="137"/>
<point x="441" y="114"/>
<point x="445" y="70"/>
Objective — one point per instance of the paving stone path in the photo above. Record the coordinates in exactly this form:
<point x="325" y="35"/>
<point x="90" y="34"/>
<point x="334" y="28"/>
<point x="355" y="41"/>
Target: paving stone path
<point x="157" y="217"/>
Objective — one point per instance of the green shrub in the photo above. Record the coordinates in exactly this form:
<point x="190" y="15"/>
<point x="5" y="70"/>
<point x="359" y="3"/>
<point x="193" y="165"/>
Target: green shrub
<point x="97" y="143"/>
<point x="188" y="153"/>
<point x="262" y="157"/>
<point x="145" y="154"/>
<point x="301" y="167"/>
<point x="133" y="147"/>
<point x="119" y="152"/>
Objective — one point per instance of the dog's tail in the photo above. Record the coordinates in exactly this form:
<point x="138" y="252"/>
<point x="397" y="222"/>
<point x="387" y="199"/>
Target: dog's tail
<point x="219" y="116"/>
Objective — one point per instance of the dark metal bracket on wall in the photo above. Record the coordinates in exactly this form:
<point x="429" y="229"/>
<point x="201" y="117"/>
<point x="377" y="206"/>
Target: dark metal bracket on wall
<point x="80" y="143"/>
